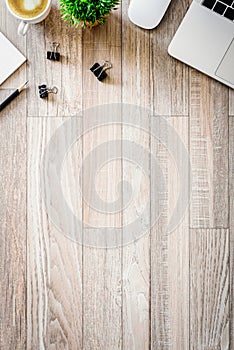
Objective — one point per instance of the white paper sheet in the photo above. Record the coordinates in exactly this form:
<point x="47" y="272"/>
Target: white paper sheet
<point x="10" y="58"/>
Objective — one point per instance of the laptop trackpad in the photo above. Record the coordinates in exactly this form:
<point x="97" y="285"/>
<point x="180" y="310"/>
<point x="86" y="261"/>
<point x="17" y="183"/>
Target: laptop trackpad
<point x="226" y="68"/>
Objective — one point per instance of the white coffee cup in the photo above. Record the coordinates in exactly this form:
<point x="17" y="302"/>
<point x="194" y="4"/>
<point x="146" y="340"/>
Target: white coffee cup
<point x="25" y="22"/>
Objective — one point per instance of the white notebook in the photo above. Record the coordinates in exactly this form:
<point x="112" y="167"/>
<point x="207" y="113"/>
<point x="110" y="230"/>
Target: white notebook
<point x="10" y="58"/>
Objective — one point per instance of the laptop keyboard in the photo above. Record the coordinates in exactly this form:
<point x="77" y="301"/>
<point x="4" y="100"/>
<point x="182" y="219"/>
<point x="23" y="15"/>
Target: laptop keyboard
<point x="223" y="7"/>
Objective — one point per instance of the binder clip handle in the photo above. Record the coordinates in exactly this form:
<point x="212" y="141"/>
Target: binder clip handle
<point x="53" y="90"/>
<point x="106" y="65"/>
<point x="44" y="91"/>
<point x="53" y="54"/>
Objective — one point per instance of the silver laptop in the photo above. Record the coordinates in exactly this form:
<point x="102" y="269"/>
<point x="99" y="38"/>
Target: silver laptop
<point x="205" y="39"/>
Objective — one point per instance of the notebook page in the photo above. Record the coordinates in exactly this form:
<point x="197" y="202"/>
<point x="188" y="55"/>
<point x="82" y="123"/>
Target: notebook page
<point x="10" y="58"/>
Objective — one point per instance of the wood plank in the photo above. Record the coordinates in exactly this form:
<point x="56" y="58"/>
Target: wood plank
<point x="169" y="78"/>
<point x="135" y="63"/>
<point x="13" y="224"/>
<point x="209" y="151"/>
<point x="102" y="267"/>
<point x="136" y="229"/>
<point x="8" y="26"/>
<point x="231" y="213"/>
<point x="209" y="289"/>
<point x="66" y="75"/>
<point x="54" y="285"/>
<point x="109" y="34"/>
<point x="169" y="244"/>
<point x="95" y="92"/>
<point x="136" y="250"/>
<point x="99" y="45"/>
<point x="231" y="102"/>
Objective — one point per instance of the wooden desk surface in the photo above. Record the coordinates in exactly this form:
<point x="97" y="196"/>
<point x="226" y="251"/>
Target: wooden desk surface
<point x="161" y="291"/>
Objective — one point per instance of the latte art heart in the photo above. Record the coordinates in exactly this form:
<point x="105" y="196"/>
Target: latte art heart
<point x="28" y="8"/>
<point x="31" y="5"/>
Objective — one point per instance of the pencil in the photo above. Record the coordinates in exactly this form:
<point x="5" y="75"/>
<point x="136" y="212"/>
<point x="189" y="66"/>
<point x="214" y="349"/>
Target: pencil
<point x="13" y="96"/>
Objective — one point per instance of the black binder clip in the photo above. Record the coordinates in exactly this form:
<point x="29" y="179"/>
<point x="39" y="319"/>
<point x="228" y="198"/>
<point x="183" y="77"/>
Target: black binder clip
<point x="44" y="91"/>
<point x="100" y="70"/>
<point x="53" y="54"/>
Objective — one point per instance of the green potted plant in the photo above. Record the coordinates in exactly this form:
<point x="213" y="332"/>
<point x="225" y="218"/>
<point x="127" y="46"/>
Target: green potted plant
<point x="87" y="13"/>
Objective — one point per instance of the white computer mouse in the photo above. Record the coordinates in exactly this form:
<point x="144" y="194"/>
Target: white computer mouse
<point x="147" y="14"/>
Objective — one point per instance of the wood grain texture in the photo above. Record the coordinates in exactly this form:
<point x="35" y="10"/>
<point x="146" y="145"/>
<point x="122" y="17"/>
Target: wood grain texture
<point x="13" y="224"/>
<point x="209" y="289"/>
<point x="209" y="151"/>
<point x="136" y="254"/>
<point x="231" y="102"/>
<point x="169" y="250"/>
<point x="162" y="291"/>
<point x="68" y="101"/>
<point x="54" y="283"/>
<point x="169" y="78"/>
<point x="8" y="26"/>
<point x="102" y="297"/>
<point x="109" y="34"/>
<point x="102" y="44"/>
<point x="135" y="63"/>
<point x="231" y="213"/>
<point x="102" y="267"/>
<point x="136" y="247"/>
